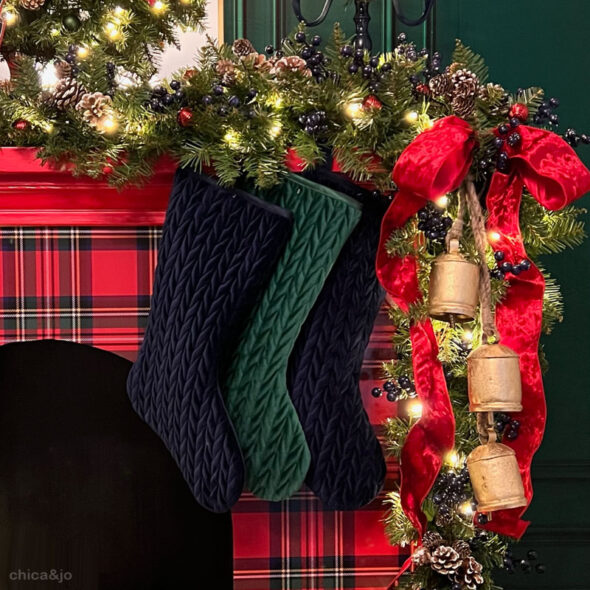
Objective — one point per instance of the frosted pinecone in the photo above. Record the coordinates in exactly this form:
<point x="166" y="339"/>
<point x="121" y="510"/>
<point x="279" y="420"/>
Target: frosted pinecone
<point x="465" y="83"/>
<point x="463" y="106"/>
<point x="226" y="70"/>
<point x="445" y="560"/>
<point x="431" y="540"/>
<point x="242" y="48"/>
<point x="441" y="85"/>
<point x="67" y="93"/>
<point x="462" y="548"/>
<point x="421" y="556"/>
<point x="469" y="575"/>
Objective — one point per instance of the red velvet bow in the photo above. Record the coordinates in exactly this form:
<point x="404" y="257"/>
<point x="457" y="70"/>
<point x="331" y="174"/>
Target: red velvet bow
<point x="555" y="176"/>
<point x="433" y="164"/>
<point x="436" y="162"/>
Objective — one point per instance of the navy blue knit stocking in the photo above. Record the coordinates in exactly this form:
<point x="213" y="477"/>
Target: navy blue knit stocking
<point x="347" y="466"/>
<point x="218" y="250"/>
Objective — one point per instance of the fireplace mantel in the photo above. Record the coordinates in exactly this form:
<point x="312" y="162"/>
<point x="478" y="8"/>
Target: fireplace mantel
<point x="33" y="194"/>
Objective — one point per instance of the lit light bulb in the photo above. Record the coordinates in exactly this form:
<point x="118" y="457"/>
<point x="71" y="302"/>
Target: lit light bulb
<point x="232" y="138"/>
<point x="411" y="117"/>
<point x="353" y="109"/>
<point x="468" y="335"/>
<point x="83" y="52"/>
<point x="10" y="17"/>
<point x="49" y="77"/>
<point x="466" y="509"/>
<point x="414" y="409"/>
<point x="494" y="236"/>
<point x="275" y="100"/>
<point x="442" y="202"/>
<point x="186" y="2"/>
<point x="452" y="458"/>
<point x="158" y="7"/>
<point x="275" y="129"/>
<point x="119" y="10"/>
<point x="54" y="32"/>
<point x="114" y="34"/>
<point x="108" y="124"/>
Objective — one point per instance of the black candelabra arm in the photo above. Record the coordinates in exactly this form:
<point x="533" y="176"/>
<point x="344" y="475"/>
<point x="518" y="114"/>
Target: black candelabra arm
<point x="362" y="38"/>
<point x="311" y="23"/>
<point x="415" y="22"/>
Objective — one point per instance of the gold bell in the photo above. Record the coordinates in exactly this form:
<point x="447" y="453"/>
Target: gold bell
<point x="495" y="477"/>
<point x="493" y="379"/>
<point x="454" y="287"/>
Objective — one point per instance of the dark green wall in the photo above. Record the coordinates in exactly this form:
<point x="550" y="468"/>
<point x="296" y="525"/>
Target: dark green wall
<point x="525" y="43"/>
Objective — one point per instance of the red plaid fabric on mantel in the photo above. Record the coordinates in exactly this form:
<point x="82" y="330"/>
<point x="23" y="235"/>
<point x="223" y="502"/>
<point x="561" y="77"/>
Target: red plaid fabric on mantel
<point x="93" y="285"/>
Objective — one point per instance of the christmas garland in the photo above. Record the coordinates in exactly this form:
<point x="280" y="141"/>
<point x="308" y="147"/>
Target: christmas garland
<point x="243" y="113"/>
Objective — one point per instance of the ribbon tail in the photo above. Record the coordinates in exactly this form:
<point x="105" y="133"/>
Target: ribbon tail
<point x="433" y="435"/>
<point x="519" y="320"/>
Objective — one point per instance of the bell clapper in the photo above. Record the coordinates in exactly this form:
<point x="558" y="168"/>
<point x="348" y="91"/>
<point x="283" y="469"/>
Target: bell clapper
<point x="452" y="320"/>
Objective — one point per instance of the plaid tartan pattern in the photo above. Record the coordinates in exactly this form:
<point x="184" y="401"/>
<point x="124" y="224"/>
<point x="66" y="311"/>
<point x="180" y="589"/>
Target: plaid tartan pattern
<point x="93" y="285"/>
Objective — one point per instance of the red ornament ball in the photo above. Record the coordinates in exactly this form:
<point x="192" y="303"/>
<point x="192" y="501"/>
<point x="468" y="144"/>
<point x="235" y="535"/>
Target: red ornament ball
<point x="372" y="102"/>
<point x="106" y="170"/>
<point x="185" y="117"/>
<point x="520" y="111"/>
<point x="21" y="124"/>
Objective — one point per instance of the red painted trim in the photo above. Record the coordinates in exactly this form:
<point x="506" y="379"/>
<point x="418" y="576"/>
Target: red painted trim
<point x="35" y="194"/>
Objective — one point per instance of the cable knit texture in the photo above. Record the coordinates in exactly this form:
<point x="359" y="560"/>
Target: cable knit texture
<point x="217" y="253"/>
<point x="270" y="435"/>
<point x="347" y="467"/>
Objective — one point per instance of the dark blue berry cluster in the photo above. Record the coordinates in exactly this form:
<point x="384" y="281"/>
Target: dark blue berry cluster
<point x="511" y="562"/>
<point x="507" y="427"/>
<point x="366" y="66"/>
<point x="225" y="102"/>
<point x="71" y="58"/>
<point x="545" y="114"/>
<point x="307" y="49"/>
<point x="433" y="222"/>
<point x="161" y="98"/>
<point x="504" y="267"/>
<point x="507" y="135"/>
<point x="393" y="391"/>
<point x="451" y="490"/>
<point x="314" y="122"/>
<point x="574" y="138"/>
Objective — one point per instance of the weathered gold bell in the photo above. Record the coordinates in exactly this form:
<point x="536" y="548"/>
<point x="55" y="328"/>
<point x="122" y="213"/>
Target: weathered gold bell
<point x="493" y="379"/>
<point x="454" y="287"/>
<point x="495" y="477"/>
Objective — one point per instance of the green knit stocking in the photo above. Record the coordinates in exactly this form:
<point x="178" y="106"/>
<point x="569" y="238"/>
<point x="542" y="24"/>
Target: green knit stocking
<point x="266" y="423"/>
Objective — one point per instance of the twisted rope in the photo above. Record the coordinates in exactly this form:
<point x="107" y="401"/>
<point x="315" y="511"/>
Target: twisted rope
<point x="481" y="242"/>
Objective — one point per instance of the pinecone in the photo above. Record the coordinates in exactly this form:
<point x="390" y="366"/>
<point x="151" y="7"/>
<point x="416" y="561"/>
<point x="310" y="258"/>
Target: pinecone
<point x="463" y="106"/>
<point x="259" y="62"/>
<point x="242" y="48"/>
<point x="63" y="69"/>
<point x="293" y="63"/>
<point x="227" y="70"/>
<point x="498" y="97"/>
<point x="67" y="93"/>
<point x="465" y="83"/>
<point x="431" y="540"/>
<point x="469" y="574"/>
<point x="421" y="556"/>
<point x="445" y="560"/>
<point x="441" y="85"/>
<point x="31" y="4"/>
<point x="443" y="517"/>
<point x="462" y="548"/>
<point x="451" y="69"/>
<point x="94" y="107"/>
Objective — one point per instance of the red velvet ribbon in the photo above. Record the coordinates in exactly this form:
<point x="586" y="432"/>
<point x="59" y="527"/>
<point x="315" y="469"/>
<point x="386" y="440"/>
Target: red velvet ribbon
<point x="435" y="163"/>
<point x="554" y="175"/>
